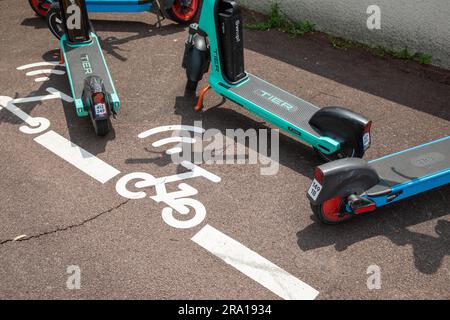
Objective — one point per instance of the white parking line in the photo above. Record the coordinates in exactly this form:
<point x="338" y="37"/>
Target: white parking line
<point x="253" y="265"/>
<point x="77" y="156"/>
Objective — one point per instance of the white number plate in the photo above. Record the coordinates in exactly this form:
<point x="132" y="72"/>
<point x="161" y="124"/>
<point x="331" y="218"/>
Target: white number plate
<point x="100" y="109"/>
<point x="366" y="140"/>
<point x="315" y="189"/>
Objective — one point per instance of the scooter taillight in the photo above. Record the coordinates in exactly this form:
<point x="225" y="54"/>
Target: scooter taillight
<point x="367" y="139"/>
<point x="368" y="127"/>
<point x="318" y="175"/>
<point x="98" y="98"/>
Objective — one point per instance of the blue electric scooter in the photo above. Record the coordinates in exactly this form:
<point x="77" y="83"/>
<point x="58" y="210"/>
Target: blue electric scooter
<point x="349" y="187"/>
<point x="181" y="11"/>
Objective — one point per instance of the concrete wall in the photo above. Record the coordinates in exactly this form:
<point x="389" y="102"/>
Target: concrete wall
<point x="420" y="25"/>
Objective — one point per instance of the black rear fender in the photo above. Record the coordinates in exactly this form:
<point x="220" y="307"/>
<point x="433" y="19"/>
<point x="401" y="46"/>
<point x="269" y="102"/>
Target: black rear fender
<point x="344" y="126"/>
<point x="344" y="178"/>
<point x="197" y="57"/>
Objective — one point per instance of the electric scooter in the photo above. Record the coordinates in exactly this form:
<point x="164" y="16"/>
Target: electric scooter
<point x="90" y="82"/>
<point x="181" y="11"/>
<point x="349" y="187"/>
<point x="333" y="132"/>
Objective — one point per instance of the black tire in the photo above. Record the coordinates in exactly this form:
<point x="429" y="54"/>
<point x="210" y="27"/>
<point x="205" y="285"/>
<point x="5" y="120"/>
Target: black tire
<point x="174" y="16"/>
<point x="54" y="21"/>
<point x="101" y="127"/>
<point x="39" y="7"/>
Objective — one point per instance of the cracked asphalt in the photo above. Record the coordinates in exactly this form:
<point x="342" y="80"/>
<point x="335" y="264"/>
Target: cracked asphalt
<point x="125" y="249"/>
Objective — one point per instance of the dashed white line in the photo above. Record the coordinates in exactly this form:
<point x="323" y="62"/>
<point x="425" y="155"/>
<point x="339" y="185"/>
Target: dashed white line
<point x="77" y="156"/>
<point x="45" y="71"/>
<point x="38" y="64"/>
<point x="253" y="265"/>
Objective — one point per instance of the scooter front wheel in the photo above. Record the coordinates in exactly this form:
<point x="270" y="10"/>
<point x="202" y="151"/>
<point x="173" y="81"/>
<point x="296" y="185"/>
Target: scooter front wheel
<point x="54" y="21"/>
<point x="185" y="11"/>
<point x="331" y="212"/>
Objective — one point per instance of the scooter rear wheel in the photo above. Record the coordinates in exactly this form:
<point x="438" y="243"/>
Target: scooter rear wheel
<point x="41" y="7"/>
<point x="331" y="211"/>
<point x="101" y="127"/>
<point x="185" y="14"/>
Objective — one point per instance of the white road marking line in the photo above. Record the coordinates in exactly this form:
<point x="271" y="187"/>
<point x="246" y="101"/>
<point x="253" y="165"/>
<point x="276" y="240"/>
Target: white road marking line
<point x="253" y="265"/>
<point x="163" y="142"/>
<point x="77" y="156"/>
<point x="38" y="64"/>
<point x="41" y="79"/>
<point x="54" y="94"/>
<point x="45" y="71"/>
<point x="153" y="131"/>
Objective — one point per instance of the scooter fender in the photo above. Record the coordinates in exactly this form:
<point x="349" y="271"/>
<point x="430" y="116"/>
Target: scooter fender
<point x="342" y="125"/>
<point x="197" y="59"/>
<point x="343" y="178"/>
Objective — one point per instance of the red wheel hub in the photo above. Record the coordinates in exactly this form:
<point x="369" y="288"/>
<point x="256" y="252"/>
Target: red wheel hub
<point x="40" y="6"/>
<point x="185" y="12"/>
<point x="331" y="210"/>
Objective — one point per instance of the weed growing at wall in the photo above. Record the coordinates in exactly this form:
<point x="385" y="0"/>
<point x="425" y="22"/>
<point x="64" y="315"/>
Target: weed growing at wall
<point x="277" y="20"/>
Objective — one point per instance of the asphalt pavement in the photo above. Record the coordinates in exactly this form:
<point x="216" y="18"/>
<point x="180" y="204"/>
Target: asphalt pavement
<point x="125" y="248"/>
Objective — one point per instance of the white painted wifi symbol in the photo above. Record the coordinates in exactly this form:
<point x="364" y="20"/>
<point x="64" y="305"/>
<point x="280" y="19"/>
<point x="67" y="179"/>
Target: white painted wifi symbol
<point x="42" y="71"/>
<point x="179" y="140"/>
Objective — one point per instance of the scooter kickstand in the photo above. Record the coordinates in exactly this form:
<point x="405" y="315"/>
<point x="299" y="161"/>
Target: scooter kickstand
<point x="61" y="57"/>
<point x="159" y="14"/>
<point x="199" y="105"/>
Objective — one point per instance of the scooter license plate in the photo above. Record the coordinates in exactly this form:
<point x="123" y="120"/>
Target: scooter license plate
<point x="314" y="190"/>
<point x="100" y="109"/>
<point x="366" y="140"/>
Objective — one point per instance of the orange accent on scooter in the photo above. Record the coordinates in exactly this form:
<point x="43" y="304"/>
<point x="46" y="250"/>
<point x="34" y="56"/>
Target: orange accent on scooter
<point x="61" y="57"/>
<point x="199" y="105"/>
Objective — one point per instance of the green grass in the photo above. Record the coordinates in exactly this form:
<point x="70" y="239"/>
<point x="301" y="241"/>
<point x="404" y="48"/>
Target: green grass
<point x="423" y="58"/>
<point x="405" y="54"/>
<point x="280" y="22"/>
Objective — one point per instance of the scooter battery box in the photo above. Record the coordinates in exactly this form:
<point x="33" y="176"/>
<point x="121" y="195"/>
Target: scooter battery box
<point x="231" y="39"/>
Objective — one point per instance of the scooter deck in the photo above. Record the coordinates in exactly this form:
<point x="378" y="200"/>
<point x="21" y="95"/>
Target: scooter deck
<point x="415" y="163"/>
<point x="82" y="61"/>
<point x="277" y="102"/>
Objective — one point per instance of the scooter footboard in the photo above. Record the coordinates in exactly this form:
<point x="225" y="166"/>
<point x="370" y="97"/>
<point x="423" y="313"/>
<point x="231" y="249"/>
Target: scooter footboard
<point x="343" y="125"/>
<point x="341" y="178"/>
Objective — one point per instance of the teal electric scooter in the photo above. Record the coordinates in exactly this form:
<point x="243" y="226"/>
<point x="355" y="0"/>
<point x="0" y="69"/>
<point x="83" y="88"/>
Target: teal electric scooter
<point x="90" y="82"/>
<point x="333" y="132"/>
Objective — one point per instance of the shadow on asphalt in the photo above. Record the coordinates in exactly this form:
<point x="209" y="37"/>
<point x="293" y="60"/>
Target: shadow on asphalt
<point x="385" y="77"/>
<point x="80" y="130"/>
<point x="393" y="222"/>
<point x="292" y="154"/>
<point x="111" y="45"/>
